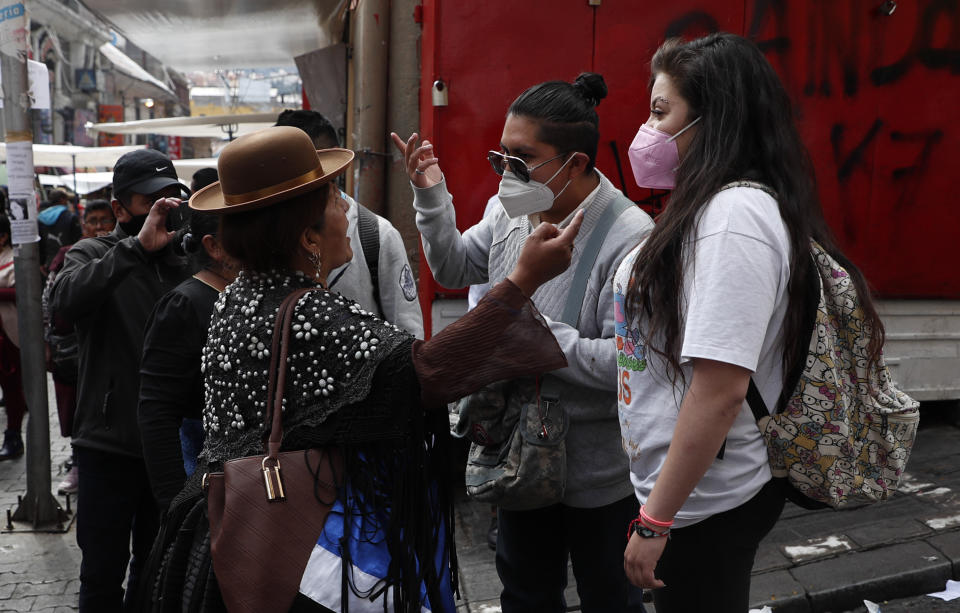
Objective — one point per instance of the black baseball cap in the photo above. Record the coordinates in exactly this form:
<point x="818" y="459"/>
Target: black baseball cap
<point x="144" y="171"/>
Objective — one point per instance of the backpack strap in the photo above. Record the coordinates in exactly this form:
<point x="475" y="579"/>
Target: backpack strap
<point x="754" y="399"/>
<point x="754" y="184"/>
<point x="588" y="257"/>
<point x="757" y="406"/>
<point x="369" y="229"/>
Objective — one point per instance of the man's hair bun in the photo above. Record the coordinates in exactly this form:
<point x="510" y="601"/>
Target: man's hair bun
<point x="591" y="87"/>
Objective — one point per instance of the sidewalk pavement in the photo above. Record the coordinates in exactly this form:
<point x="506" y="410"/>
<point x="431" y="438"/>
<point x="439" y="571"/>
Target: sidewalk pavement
<point x="815" y="561"/>
<point x="812" y="561"/>
<point x="38" y="570"/>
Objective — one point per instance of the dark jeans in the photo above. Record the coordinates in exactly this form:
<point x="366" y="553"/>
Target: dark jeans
<point x="191" y="443"/>
<point x="532" y="550"/>
<point x="706" y="566"/>
<point x="114" y="500"/>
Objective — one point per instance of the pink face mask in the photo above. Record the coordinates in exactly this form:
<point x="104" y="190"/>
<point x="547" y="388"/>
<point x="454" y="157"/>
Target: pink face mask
<point x="654" y="157"/>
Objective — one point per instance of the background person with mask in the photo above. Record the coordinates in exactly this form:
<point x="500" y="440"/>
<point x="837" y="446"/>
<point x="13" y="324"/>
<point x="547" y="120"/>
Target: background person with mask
<point x="379" y="275"/>
<point x="546" y="159"/>
<point x="61" y="339"/>
<point x="107" y="288"/>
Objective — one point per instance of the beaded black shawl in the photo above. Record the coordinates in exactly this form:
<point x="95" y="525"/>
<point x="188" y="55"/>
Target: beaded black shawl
<point x="334" y="352"/>
<point x="350" y="383"/>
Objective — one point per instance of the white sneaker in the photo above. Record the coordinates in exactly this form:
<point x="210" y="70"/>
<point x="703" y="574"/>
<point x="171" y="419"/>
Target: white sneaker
<point x="70" y="482"/>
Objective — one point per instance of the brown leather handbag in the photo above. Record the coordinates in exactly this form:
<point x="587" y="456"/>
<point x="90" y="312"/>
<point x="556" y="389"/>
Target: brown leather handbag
<point x="267" y="512"/>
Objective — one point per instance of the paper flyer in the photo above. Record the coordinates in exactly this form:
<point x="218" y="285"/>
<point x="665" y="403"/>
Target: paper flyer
<point x="23" y="199"/>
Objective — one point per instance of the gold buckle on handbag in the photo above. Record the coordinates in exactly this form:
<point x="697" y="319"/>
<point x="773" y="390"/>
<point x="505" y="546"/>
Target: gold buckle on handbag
<point x="272" y="480"/>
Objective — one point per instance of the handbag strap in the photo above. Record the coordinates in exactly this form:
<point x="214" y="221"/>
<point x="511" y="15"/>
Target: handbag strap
<point x="588" y="257"/>
<point x="279" y="349"/>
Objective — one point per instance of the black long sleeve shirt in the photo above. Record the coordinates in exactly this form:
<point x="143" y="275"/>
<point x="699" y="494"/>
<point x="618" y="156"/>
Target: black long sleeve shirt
<point x="171" y="384"/>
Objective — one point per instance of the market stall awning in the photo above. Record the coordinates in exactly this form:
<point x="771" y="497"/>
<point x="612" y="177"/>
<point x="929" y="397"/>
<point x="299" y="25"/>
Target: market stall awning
<point x="66" y="156"/>
<point x="190" y="35"/>
<point x="186" y="168"/>
<point x="204" y="126"/>
<point x="86" y="182"/>
<point x="81" y="183"/>
<point x="125" y="64"/>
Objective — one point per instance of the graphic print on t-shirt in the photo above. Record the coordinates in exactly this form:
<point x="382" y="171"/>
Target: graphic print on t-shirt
<point x="630" y="349"/>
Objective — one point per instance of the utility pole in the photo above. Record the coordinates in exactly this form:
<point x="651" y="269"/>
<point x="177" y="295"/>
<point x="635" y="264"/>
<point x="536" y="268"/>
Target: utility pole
<point x="38" y="506"/>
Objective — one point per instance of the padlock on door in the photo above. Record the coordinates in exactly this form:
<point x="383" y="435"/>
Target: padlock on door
<point x="440" y="93"/>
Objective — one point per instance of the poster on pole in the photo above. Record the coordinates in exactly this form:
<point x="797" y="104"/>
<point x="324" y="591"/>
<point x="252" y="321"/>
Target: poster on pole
<point x="38" y="78"/>
<point x="13" y="28"/>
<point x="23" y="198"/>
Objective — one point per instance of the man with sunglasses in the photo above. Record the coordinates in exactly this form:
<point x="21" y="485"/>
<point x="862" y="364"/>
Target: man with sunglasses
<point x="546" y="163"/>
<point x="107" y="288"/>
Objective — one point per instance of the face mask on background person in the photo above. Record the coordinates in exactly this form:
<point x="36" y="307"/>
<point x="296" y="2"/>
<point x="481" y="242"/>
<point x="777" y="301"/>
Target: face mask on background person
<point x="519" y="198"/>
<point x="654" y="157"/>
<point x="133" y="227"/>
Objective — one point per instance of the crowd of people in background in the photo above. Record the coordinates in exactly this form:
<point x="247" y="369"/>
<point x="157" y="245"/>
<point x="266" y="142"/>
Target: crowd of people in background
<point x="158" y="321"/>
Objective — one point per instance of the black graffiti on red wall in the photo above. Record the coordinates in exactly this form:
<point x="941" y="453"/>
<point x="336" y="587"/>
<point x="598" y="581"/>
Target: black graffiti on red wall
<point x="847" y="162"/>
<point x="922" y="48"/>
<point x="836" y="33"/>
<point x="834" y="40"/>
<point x="907" y="179"/>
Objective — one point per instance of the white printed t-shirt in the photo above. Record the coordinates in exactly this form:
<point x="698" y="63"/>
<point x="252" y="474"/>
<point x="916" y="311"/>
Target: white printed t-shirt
<point x="736" y="298"/>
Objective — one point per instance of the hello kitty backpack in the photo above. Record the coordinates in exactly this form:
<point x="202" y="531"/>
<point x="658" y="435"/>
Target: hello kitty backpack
<point x="843" y="431"/>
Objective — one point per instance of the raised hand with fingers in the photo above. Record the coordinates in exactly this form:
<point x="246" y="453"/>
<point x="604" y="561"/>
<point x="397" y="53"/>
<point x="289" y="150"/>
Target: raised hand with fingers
<point x="421" y="162"/>
<point x="545" y="255"/>
<point x="154" y="235"/>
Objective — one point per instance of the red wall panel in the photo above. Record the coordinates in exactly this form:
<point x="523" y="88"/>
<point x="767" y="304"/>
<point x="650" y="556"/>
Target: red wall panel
<point x="876" y="97"/>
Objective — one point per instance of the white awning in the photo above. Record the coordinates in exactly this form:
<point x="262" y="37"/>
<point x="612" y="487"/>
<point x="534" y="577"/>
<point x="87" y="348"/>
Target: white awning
<point x="81" y="183"/>
<point x="201" y="35"/>
<point x="87" y="182"/>
<point x="186" y="168"/>
<point x="122" y="62"/>
<point x="67" y="155"/>
<point x="209" y="126"/>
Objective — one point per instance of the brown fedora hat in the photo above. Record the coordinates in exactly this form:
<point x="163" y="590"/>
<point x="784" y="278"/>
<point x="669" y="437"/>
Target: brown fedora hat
<point x="266" y="167"/>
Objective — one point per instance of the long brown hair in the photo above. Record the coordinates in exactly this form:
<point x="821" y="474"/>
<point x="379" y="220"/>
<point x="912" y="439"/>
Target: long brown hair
<point x="746" y="131"/>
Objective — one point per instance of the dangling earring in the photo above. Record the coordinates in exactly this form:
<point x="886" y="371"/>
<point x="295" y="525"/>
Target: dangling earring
<point x="314" y="258"/>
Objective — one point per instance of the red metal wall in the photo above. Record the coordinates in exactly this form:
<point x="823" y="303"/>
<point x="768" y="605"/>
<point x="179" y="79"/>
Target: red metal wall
<point x="877" y="96"/>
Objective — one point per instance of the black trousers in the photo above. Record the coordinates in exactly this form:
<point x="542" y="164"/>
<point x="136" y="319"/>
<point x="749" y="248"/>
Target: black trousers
<point x="532" y="551"/>
<point x="706" y="566"/>
<point x="113" y="501"/>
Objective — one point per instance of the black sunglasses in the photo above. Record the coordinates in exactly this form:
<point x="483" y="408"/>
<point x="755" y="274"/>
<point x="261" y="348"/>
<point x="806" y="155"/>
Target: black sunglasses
<point x="500" y="161"/>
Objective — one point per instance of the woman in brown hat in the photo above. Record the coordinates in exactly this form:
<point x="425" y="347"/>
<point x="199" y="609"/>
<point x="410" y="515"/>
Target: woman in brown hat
<point x="354" y="384"/>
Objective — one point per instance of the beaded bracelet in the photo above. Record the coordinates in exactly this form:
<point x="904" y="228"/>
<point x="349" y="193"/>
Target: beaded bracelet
<point x="651" y="521"/>
<point x="645" y="532"/>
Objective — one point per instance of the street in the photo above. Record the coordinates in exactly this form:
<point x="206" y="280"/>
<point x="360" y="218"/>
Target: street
<point x="38" y="571"/>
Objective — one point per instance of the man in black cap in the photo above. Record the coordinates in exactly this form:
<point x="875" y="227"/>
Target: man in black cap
<point x="107" y="288"/>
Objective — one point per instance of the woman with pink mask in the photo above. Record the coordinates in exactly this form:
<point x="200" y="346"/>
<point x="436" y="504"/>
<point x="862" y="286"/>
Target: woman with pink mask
<point x="712" y="299"/>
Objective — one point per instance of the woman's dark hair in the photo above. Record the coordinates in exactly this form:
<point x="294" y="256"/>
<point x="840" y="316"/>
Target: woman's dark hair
<point x="203" y="178"/>
<point x="201" y="224"/>
<point x="565" y="113"/>
<point x="5" y="225"/>
<point x="318" y="127"/>
<point x="96" y="205"/>
<point x="268" y="238"/>
<point x="746" y="131"/>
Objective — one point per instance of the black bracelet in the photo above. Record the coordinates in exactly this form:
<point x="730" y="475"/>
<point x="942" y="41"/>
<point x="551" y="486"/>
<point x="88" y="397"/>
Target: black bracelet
<point x="636" y="526"/>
